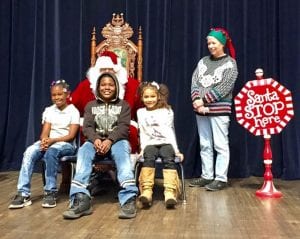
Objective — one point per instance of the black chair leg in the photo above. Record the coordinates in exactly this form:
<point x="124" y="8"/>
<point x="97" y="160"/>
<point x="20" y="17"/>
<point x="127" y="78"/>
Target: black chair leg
<point x="182" y="183"/>
<point x="137" y="172"/>
<point x="43" y="173"/>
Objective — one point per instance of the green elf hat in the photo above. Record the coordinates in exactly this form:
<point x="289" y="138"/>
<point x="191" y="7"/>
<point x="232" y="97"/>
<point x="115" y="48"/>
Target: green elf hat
<point x="218" y="35"/>
<point x="223" y="37"/>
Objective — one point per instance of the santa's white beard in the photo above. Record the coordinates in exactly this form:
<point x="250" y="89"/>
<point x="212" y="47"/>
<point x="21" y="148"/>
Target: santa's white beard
<point x="94" y="73"/>
<point x="122" y="79"/>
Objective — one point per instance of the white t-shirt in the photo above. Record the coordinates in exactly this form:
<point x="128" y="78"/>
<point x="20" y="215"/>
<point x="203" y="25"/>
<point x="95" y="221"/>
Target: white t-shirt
<point x="60" y="120"/>
<point x="156" y="127"/>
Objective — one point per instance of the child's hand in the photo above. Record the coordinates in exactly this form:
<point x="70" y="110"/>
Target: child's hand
<point x="102" y="147"/>
<point x="180" y="156"/>
<point x="97" y="145"/>
<point x="140" y="155"/>
<point x="105" y="146"/>
<point x="44" y="144"/>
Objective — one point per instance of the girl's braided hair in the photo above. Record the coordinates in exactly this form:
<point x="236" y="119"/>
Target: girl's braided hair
<point x="62" y="83"/>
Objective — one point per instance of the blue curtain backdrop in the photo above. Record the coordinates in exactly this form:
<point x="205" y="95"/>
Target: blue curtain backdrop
<point x="42" y="41"/>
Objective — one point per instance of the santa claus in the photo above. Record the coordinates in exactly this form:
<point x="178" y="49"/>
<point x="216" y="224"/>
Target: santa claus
<point x="84" y="92"/>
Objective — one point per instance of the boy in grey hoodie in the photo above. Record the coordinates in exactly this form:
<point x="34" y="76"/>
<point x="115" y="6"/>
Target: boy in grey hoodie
<point x="105" y="126"/>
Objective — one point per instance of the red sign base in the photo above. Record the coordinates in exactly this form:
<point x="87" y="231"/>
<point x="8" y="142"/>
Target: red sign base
<point x="268" y="190"/>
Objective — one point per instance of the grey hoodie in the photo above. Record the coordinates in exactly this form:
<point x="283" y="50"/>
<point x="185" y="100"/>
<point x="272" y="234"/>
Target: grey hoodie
<point x="104" y="120"/>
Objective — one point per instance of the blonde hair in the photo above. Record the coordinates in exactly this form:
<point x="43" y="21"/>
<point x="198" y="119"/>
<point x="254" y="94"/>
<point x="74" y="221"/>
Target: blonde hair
<point x="161" y="90"/>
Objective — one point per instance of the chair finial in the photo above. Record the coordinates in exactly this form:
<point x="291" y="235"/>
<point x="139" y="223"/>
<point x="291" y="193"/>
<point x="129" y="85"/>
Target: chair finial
<point x="117" y="19"/>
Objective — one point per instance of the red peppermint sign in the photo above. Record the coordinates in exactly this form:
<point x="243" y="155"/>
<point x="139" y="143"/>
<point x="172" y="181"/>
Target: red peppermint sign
<point x="264" y="106"/>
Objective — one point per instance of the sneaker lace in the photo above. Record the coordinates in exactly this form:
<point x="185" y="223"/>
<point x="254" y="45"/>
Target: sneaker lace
<point x="130" y="203"/>
<point x="75" y="203"/>
<point x="197" y="180"/>
<point x="50" y="195"/>
<point x="18" y="197"/>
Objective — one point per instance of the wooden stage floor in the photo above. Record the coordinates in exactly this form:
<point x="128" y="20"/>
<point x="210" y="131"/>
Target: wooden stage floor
<point x="231" y="213"/>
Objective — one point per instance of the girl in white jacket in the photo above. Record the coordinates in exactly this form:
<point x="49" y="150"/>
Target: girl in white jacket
<point x="157" y="138"/>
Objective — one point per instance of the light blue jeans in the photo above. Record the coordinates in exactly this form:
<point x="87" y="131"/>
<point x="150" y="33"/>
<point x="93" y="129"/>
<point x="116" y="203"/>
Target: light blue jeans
<point x="213" y="134"/>
<point x="120" y="152"/>
<point x="50" y="157"/>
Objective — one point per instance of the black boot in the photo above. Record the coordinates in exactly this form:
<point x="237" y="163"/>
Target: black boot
<point x="128" y="210"/>
<point x="81" y="206"/>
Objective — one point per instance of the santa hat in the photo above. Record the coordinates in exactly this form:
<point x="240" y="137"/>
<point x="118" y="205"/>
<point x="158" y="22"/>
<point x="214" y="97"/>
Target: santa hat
<point x="222" y="36"/>
<point x="108" y="59"/>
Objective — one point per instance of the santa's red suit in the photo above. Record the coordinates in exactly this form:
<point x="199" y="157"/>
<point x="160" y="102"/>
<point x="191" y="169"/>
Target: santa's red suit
<point x="84" y="92"/>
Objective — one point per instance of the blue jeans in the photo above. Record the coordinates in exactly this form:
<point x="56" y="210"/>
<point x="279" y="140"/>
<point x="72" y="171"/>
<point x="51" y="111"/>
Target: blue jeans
<point x="50" y="157"/>
<point x="213" y="134"/>
<point x="120" y="152"/>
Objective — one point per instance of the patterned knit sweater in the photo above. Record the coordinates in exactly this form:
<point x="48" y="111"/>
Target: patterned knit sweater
<point x="213" y="81"/>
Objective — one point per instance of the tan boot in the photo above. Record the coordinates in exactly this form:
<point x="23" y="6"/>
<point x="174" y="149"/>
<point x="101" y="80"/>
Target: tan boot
<point x="172" y="187"/>
<point x="146" y="182"/>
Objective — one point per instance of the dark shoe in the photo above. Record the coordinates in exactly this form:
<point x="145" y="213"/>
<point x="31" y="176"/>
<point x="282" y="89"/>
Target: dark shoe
<point x="171" y="203"/>
<point x="49" y="200"/>
<point x="216" y="185"/>
<point x="81" y="207"/>
<point x="145" y="201"/>
<point x="199" y="182"/>
<point x="128" y="210"/>
<point x="20" y="201"/>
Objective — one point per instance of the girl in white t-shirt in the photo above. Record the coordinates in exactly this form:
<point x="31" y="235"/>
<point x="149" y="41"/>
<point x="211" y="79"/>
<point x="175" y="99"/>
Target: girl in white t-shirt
<point x="60" y="125"/>
<point x="157" y="138"/>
